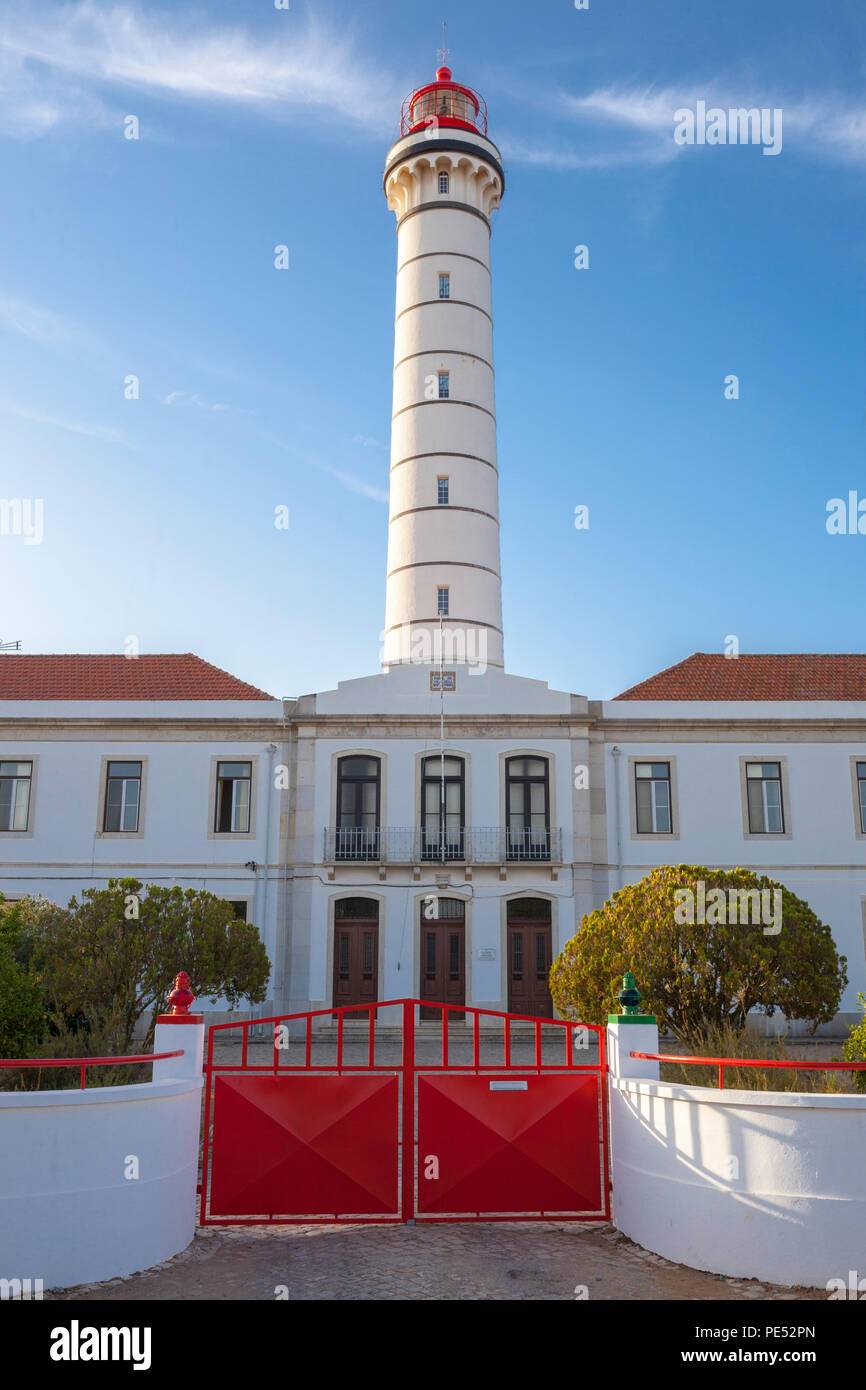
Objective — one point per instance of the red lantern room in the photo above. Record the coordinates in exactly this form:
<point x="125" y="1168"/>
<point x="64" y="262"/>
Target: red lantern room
<point x="444" y="103"/>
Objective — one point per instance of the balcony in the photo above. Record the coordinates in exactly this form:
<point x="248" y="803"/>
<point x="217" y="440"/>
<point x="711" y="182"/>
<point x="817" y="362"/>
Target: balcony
<point x="412" y="845"/>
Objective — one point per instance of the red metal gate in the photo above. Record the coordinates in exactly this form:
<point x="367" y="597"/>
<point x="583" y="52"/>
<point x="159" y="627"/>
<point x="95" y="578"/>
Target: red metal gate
<point x="315" y="1135"/>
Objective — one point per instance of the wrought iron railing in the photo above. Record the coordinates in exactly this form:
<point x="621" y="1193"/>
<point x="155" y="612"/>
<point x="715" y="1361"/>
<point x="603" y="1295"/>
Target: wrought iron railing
<point x="415" y="845"/>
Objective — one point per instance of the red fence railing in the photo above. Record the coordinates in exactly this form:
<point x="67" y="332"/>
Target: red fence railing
<point x="722" y="1062"/>
<point x="85" y="1062"/>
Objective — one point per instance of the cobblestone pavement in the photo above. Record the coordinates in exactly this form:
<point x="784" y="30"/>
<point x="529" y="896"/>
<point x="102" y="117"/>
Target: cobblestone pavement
<point x="508" y="1260"/>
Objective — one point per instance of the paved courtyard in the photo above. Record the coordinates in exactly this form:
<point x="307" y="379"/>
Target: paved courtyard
<point x="509" y="1260"/>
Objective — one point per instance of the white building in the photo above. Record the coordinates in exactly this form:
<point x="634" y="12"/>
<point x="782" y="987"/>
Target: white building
<point x="446" y="825"/>
<point x="160" y="768"/>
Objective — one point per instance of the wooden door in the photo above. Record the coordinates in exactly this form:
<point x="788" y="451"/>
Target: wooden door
<point x="529" y="962"/>
<point x="443" y="966"/>
<point x="356" y="962"/>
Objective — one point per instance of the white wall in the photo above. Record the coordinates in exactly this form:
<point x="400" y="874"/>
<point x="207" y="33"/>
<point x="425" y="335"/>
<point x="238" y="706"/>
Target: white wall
<point x="755" y="1184"/>
<point x="68" y="1213"/>
<point x="821" y="857"/>
<point x="65" y="850"/>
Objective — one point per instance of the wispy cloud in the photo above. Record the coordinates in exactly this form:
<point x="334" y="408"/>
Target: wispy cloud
<point x="191" y="398"/>
<point x="39" y="325"/>
<point x="348" y="480"/>
<point x="624" y="124"/>
<point x="355" y="484"/>
<point x="107" y="433"/>
<point x="58" y="63"/>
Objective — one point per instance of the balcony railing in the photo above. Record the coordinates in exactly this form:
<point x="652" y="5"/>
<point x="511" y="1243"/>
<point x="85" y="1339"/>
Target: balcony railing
<point x="413" y="845"/>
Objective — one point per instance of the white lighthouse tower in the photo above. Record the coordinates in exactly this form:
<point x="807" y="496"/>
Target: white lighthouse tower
<point x="443" y="179"/>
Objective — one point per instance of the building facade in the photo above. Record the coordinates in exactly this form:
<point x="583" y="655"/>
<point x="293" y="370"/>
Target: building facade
<point x="160" y="768"/>
<point x="440" y="829"/>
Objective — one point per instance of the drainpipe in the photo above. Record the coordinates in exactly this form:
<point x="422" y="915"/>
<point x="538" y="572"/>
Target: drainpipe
<point x="271" y="750"/>
<point x="615" y="752"/>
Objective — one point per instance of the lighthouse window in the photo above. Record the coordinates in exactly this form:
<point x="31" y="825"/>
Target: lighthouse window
<point x="443" y="496"/>
<point x="444" y="390"/>
<point x="444" y="286"/>
<point x="443" y="183"/>
<point x="442" y="602"/>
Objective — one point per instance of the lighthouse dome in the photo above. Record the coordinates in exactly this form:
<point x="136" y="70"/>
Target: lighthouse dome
<point x="444" y="102"/>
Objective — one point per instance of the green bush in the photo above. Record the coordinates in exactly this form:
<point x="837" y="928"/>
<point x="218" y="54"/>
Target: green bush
<point x="22" y="1013"/>
<point x="105" y="961"/>
<point x="854" y="1047"/>
<point x="695" y="975"/>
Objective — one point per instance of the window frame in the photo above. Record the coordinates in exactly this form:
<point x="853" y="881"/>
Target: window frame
<point x="859" y="832"/>
<point x="105" y="779"/>
<point x="445" y="282"/>
<point x="213" y="800"/>
<point x="653" y="780"/>
<point x="244" y="900"/>
<point x="33" y="760"/>
<point x="446" y="479"/>
<point x="372" y="851"/>
<point x="442" y="175"/>
<point x="434" y="778"/>
<point x="782" y="762"/>
<point x="446" y="395"/>
<point x="526" y="781"/>
<point x="440" y="590"/>
<point x="652" y="757"/>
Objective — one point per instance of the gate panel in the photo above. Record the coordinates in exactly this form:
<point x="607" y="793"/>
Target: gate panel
<point x="304" y="1145"/>
<point x="290" y="1136"/>
<point x="509" y="1145"/>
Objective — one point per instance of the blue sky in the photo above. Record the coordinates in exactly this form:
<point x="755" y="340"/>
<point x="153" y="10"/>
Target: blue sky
<point x="260" y="388"/>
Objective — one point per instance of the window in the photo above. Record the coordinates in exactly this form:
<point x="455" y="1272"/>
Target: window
<point x="15" y="782"/>
<point x="240" y="907"/>
<point x="652" y="786"/>
<point x="442" y="602"/>
<point x="444" y="386"/>
<point x="442" y="816"/>
<point x="122" y="797"/>
<point x="861" y="794"/>
<point x="443" y="183"/>
<point x="444" y="286"/>
<point x="764" y="798"/>
<point x="442" y="492"/>
<point x="358" y="801"/>
<point x="527" y="808"/>
<point x="233" y="798"/>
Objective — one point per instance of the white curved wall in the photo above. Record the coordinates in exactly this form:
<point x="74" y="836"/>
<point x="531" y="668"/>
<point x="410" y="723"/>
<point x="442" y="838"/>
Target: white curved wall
<point x="757" y="1184"/>
<point x="68" y="1213"/>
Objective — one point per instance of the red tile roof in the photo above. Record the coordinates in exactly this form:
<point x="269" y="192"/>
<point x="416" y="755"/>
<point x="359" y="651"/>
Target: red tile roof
<point x="174" y="677"/>
<point x="711" y="676"/>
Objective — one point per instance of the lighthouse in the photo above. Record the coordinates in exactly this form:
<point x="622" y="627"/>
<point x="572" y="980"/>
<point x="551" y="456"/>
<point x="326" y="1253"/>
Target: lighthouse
<point x="443" y="180"/>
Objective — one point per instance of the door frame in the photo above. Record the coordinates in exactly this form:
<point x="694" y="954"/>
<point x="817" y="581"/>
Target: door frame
<point x="521" y="896"/>
<point x="417" y="963"/>
<point x="331" y="942"/>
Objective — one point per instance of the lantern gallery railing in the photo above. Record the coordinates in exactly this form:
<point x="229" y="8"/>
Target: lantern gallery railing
<point x="722" y="1062"/>
<point x="417" y="845"/>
